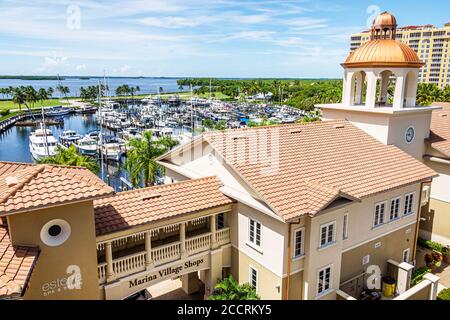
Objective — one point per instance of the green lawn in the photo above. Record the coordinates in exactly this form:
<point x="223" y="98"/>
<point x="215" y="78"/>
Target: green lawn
<point x="8" y="104"/>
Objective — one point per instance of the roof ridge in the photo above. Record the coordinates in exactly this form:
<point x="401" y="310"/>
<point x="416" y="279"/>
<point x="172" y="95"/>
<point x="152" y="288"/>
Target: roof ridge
<point x="281" y="125"/>
<point x="162" y="186"/>
<point x="14" y="189"/>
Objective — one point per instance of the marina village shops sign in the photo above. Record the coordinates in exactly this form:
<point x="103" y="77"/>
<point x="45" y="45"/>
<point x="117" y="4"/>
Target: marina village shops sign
<point x="129" y="285"/>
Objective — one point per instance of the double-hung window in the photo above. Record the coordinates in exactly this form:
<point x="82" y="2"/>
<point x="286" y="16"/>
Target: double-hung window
<point x="395" y="209"/>
<point x="253" y="278"/>
<point x="380" y="210"/>
<point x="327" y="234"/>
<point x="298" y="243"/>
<point x="324" y="280"/>
<point x="409" y="204"/>
<point x="254" y="234"/>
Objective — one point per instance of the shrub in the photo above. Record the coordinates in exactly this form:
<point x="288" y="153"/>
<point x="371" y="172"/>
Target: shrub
<point x="4" y="112"/>
<point x="435" y="246"/>
<point x="444" y="294"/>
<point x="418" y="274"/>
<point x="230" y="289"/>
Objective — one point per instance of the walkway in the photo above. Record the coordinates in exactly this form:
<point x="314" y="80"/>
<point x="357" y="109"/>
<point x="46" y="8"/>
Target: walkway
<point x="443" y="272"/>
<point x="171" y="290"/>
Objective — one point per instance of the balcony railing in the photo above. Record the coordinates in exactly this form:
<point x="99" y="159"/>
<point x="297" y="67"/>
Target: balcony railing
<point x="160" y="255"/>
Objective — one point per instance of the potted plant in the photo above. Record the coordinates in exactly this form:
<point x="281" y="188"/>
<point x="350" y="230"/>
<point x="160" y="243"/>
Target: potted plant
<point x="429" y="261"/>
<point x="437" y="256"/>
<point x="446" y="254"/>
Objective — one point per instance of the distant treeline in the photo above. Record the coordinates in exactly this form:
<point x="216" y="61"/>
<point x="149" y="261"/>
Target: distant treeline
<point x="31" y="77"/>
<point x="300" y="93"/>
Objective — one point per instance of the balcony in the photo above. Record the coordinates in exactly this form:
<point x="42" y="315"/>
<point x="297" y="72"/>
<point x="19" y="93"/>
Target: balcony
<point x="152" y="248"/>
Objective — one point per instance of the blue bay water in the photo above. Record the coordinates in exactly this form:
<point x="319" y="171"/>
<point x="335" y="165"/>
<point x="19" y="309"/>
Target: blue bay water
<point x="147" y="85"/>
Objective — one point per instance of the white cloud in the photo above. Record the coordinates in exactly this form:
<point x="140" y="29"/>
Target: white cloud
<point x="81" y="67"/>
<point x="174" y="22"/>
<point x="122" y="69"/>
<point x="52" y="63"/>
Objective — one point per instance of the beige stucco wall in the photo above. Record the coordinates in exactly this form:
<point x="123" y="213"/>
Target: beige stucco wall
<point x="79" y="249"/>
<point x="436" y="223"/>
<point x="390" y="246"/>
<point x="269" y="284"/>
<point x="360" y="233"/>
<point x="397" y="130"/>
<point x="374" y="124"/>
<point x="390" y="129"/>
<point x="295" y="286"/>
<point x="271" y="253"/>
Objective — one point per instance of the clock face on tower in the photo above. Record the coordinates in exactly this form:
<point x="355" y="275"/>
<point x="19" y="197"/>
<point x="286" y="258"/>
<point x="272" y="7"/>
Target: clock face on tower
<point x="409" y="135"/>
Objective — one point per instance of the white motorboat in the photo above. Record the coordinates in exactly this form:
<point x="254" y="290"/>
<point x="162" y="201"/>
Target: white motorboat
<point x="86" y="109"/>
<point x="42" y="143"/>
<point x="112" y="148"/>
<point x="69" y="137"/>
<point x="87" y="146"/>
<point x="58" y="111"/>
<point x="131" y="133"/>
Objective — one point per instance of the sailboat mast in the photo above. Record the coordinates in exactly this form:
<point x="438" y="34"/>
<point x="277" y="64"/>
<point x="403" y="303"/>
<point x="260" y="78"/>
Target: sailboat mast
<point x="45" y="132"/>
<point x="192" y="115"/>
<point x="100" y="139"/>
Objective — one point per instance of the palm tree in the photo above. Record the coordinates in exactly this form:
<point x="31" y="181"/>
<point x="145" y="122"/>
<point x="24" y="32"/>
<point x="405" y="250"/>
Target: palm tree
<point x="42" y="95"/>
<point x="18" y="97"/>
<point x="70" y="157"/>
<point x="140" y="162"/>
<point x="229" y="289"/>
<point x="63" y="90"/>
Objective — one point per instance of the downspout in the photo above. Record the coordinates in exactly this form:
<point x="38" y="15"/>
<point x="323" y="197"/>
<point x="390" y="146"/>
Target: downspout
<point x="288" y="262"/>
<point x="419" y="215"/>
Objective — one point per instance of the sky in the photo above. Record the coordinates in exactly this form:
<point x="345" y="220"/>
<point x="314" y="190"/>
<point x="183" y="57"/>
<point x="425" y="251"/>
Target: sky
<point x="192" y="38"/>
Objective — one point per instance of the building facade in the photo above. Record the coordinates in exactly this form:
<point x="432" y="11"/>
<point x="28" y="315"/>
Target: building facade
<point x="432" y="44"/>
<point x="312" y="211"/>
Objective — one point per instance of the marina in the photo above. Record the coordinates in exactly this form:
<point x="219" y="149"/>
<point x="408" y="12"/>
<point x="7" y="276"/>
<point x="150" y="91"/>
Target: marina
<point x="104" y="133"/>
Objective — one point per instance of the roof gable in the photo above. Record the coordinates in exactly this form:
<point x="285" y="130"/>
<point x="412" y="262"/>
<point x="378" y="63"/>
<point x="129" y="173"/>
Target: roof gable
<point x="35" y="186"/>
<point x="300" y="169"/>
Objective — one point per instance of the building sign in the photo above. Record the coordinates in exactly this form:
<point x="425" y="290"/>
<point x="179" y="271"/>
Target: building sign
<point x="132" y="284"/>
<point x="70" y="282"/>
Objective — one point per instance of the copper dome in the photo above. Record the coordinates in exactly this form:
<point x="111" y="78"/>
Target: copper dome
<point x="383" y="53"/>
<point x="385" y="20"/>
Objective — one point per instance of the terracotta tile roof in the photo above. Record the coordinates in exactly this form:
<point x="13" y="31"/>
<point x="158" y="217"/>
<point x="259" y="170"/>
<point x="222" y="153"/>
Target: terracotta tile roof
<point x="27" y="186"/>
<point x="16" y="265"/>
<point x="440" y="131"/>
<point x="307" y="166"/>
<point x="137" y="207"/>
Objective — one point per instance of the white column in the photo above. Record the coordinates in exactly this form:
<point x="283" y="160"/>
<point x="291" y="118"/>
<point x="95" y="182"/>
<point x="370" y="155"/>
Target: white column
<point x="399" y="95"/>
<point x="434" y="285"/>
<point x="404" y="273"/>
<point x="212" y="220"/>
<point x="371" y="90"/>
<point x="109" y="262"/>
<point x="148" y="250"/>
<point x="183" y="240"/>
<point x="347" y="93"/>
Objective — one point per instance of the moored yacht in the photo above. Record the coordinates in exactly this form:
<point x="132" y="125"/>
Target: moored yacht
<point x="69" y="137"/>
<point x="42" y="143"/>
<point x="87" y="146"/>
